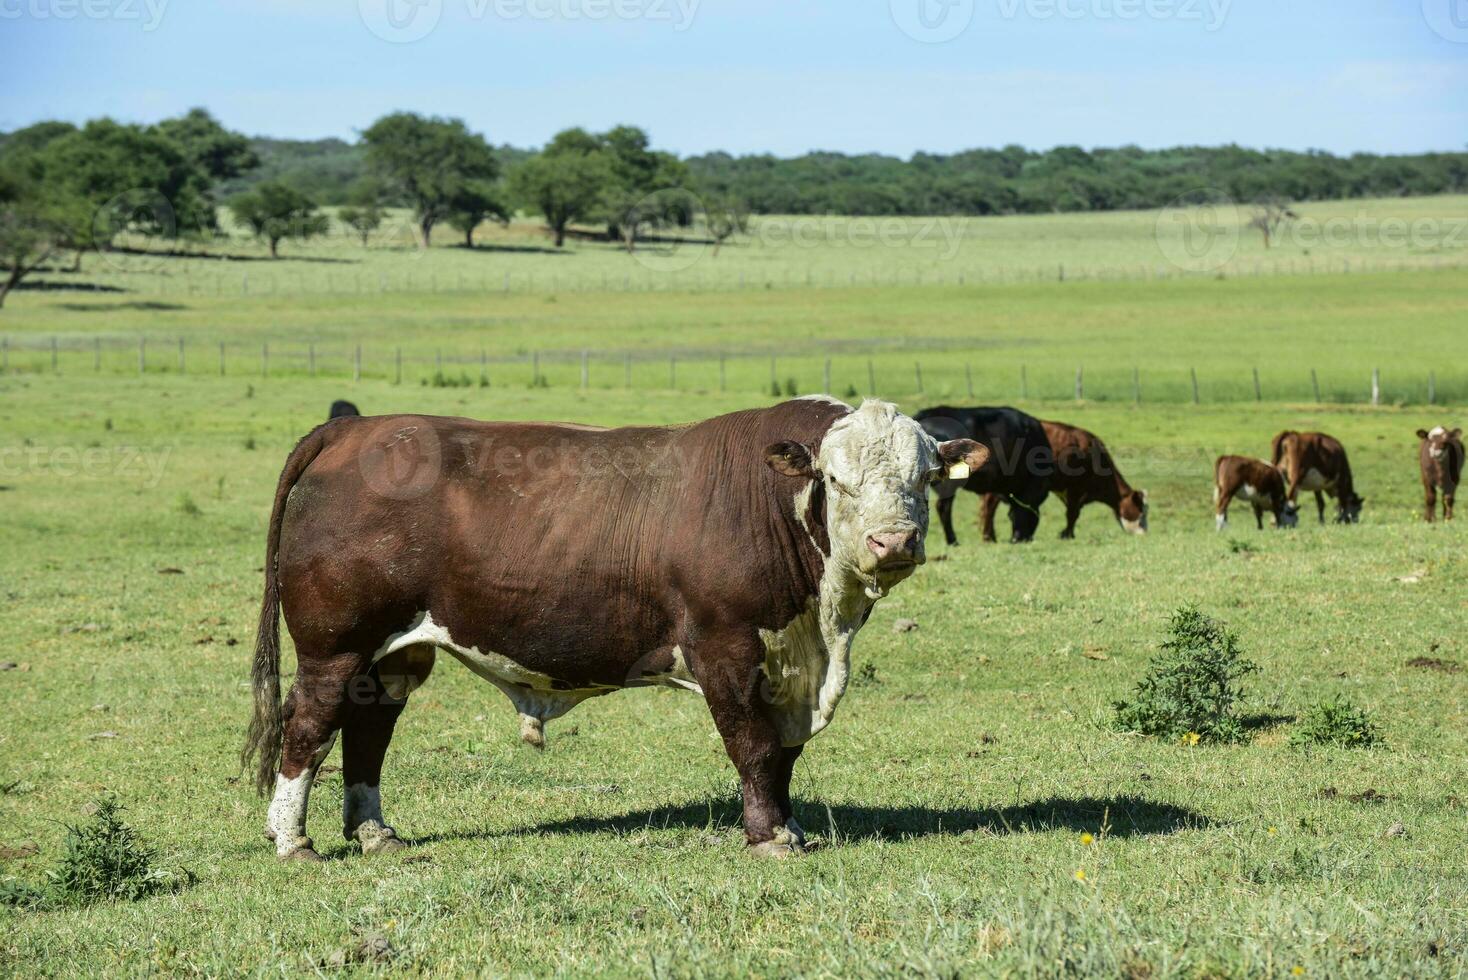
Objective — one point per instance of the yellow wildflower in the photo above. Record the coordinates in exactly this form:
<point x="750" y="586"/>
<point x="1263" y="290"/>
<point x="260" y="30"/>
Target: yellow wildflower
<point x="1298" y="971"/>
<point x="1080" y="875"/>
<point x="1191" y="738"/>
<point x="1087" y="839"/>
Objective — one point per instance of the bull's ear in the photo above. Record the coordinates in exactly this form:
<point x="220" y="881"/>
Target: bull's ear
<point x="791" y="459"/>
<point x="960" y="457"/>
<point x="1456" y="433"/>
<point x="1421" y="433"/>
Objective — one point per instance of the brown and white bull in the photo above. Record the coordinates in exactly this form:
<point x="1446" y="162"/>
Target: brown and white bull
<point x="1441" y="459"/>
<point x="1085" y="473"/>
<point x="1316" y="462"/>
<point x="1253" y="481"/>
<point x="736" y="557"/>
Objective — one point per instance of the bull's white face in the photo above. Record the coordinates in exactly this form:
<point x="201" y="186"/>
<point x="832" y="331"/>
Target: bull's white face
<point x="877" y="465"/>
<point x="1437" y="443"/>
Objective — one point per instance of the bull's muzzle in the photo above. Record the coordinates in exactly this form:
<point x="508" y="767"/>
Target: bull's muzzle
<point x="896" y="550"/>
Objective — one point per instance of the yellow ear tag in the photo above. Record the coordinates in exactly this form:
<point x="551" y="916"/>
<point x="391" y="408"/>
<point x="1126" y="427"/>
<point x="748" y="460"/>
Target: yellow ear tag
<point x="958" y="471"/>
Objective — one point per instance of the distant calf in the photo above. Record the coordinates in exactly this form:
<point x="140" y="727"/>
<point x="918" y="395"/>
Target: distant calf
<point x="1441" y="456"/>
<point x="1019" y="468"/>
<point x="1316" y="462"/>
<point x="1085" y="473"/>
<point x="341" y="409"/>
<point x="1255" y="481"/>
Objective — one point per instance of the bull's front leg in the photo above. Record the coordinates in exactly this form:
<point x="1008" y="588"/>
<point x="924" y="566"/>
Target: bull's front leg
<point x="729" y="668"/>
<point x="1429" y="495"/>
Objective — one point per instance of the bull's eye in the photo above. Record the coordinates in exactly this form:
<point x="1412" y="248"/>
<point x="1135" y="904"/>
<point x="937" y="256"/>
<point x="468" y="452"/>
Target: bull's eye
<point x="838" y="486"/>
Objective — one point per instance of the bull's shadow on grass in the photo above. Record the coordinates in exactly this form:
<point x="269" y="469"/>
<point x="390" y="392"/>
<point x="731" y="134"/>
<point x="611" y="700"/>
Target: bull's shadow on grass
<point x="1123" y="816"/>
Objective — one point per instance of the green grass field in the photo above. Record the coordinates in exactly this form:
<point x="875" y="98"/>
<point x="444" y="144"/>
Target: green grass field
<point x="950" y="795"/>
<point x="969" y="757"/>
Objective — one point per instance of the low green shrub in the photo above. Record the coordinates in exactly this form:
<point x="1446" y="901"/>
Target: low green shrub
<point x="1336" y="722"/>
<point x="1191" y="688"/>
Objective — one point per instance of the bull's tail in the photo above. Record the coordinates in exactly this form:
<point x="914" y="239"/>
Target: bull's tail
<point x="1217" y="480"/>
<point x="1277" y="447"/>
<point x="263" y="740"/>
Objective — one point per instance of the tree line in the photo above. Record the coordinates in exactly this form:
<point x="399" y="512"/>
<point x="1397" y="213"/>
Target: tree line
<point x="67" y="190"/>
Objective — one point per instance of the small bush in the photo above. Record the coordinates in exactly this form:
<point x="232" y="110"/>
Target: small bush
<point x="441" y="380"/>
<point x="104" y="860"/>
<point x="791" y="391"/>
<point x="1191" y="688"/>
<point x="187" y="507"/>
<point x="851" y="391"/>
<point x="1337" y="722"/>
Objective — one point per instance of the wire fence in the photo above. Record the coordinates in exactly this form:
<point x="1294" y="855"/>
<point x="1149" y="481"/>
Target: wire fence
<point x="703" y="277"/>
<point x="937" y="367"/>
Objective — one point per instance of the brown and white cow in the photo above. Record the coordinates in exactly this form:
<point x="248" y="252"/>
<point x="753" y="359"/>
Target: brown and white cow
<point x="1256" y="482"/>
<point x="736" y="557"/>
<point x="1441" y="458"/>
<point x="1085" y="473"/>
<point x="1316" y="462"/>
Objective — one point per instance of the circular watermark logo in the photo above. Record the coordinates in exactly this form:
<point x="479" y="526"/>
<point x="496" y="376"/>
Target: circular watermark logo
<point x="1196" y="233"/>
<point x="672" y="242"/>
<point x="400" y="21"/>
<point x="401" y="461"/>
<point x="1447" y="18"/>
<point x="932" y="21"/>
<point x="141" y="211"/>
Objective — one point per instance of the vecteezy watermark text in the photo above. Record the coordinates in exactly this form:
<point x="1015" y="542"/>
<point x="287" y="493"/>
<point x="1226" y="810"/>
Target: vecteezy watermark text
<point x="936" y="21"/>
<point x="149" y="13"/>
<point x="405" y="21"/>
<point x="68" y="462"/>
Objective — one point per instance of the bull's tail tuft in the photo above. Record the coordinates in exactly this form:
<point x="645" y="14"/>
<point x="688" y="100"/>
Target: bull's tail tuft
<point x="267" y="727"/>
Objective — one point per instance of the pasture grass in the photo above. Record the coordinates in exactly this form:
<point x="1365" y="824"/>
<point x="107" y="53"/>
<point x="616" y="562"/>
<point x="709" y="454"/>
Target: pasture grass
<point x="976" y="811"/>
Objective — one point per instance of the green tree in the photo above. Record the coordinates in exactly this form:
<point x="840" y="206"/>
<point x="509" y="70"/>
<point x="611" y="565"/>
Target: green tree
<point x="28" y="233"/>
<point x="471" y="204"/>
<point x="108" y="178"/>
<point x="565" y="183"/>
<point x="648" y="186"/>
<point x="363" y="211"/>
<point x="274" y="211"/>
<point x="218" y="153"/>
<point x="724" y="218"/>
<point x="428" y="160"/>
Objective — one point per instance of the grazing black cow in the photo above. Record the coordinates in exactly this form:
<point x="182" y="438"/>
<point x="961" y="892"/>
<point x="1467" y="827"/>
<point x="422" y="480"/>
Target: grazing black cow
<point x="342" y="409"/>
<point x="1020" y="467"/>
<point x="736" y="558"/>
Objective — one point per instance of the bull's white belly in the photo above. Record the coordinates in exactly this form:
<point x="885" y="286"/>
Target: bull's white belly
<point x="533" y="694"/>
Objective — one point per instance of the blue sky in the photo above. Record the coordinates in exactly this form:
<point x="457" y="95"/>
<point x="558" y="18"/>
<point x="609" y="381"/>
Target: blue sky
<point x="783" y="76"/>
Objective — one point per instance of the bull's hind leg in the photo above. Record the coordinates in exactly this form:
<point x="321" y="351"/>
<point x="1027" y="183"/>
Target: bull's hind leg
<point x="1429" y="495"/>
<point x="945" y="515"/>
<point x="313" y="715"/>
<point x="1320" y="506"/>
<point x="375" y="701"/>
<point x="987" y="509"/>
<point x="1448" y="496"/>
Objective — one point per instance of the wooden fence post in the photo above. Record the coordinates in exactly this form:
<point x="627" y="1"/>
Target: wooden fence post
<point x="721" y="373"/>
<point x="398" y="373"/>
<point x="1024" y="383"/>
<point x="871" y="378"/>
<point x="1315" y="385"/>
<point x="627" y="370"/>
<point x="142" y="355"/>
<point x="918" y="368"/>
<point x="774" y="375"/>
<point x="264" y="360"/>
<point x="827" y="377"/>
<point x="1080" y="384"/>
<point x="1376" y="386"/>
<point x="1432" y="387"/>
<point x="311" y="359"/>
<point x="181" y="362"/>
<point x="221" y="358"/>
<point x="535" y="368"/>
<point x="357" y="363"/>
<point x="585" y="370"/>
<point x="968" y="375"/>
<point x="55" y="354"/>
<point x="1194" y="373"/>
<point x="4" y="353"/>
<point x="672" y="372"/>
<point x="1258" y="392"/>
<point x="483" y="368"/>
<point x="97" y="354"/>
<point x="1136" y="385"/>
